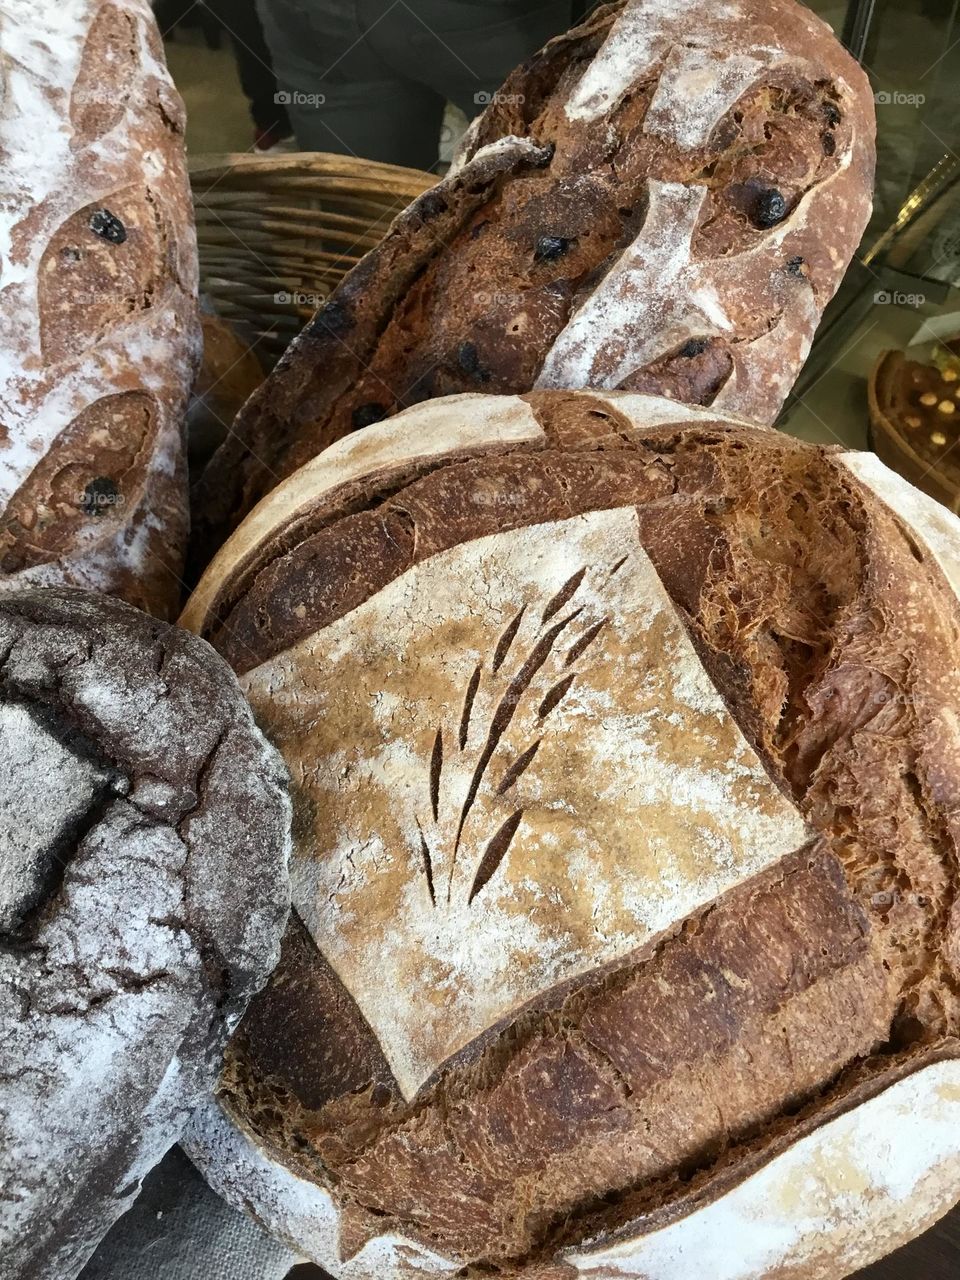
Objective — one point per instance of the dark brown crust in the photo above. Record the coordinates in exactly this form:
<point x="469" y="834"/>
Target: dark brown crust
<point x="863" y="1081"/>
<point x="465" y="294"/>
<point x="136" y="923"/>
<point x="253" y="457"/>
<point x="633" y="1078"/>
<point x="801" y="593"/>
<point x="310" y="1033"/>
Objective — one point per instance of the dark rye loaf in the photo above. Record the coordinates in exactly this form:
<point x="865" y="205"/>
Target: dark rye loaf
<point x="626" y="770"/>
<point x="144" y="835"/>
<point x="99" y="335"/>
<point x="662" y="200"/>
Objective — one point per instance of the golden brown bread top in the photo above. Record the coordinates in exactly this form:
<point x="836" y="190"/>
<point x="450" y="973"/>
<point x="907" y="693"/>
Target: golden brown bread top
<point x="381" y="602"/>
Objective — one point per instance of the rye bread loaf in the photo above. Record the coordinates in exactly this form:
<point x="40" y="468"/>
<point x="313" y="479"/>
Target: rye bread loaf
<point x="99" y="336"/>
<point x="662" y="200"/>
<point x="626" y="766"/>
<point x="144" y="833"/>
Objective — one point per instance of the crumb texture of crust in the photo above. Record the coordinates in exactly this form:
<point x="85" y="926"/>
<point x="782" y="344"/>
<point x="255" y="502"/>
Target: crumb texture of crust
<point x="800" y="605"/>
<point x="99" y="332"/>
<point x="145" y="834"/>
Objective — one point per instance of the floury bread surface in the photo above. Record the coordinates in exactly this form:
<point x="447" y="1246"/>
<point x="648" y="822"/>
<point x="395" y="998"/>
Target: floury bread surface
<point x="662" y="200"/>
<point x="99" y="336"/>
<point x="625" y="764"/>
<point x="144" y="835"/>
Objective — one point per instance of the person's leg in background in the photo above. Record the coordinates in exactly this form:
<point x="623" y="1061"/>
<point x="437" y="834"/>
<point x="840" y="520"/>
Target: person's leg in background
<point x="463" y="49"/>
<point x="170" y="14"/>
<point x="239" y="18"/>
<point x="340" y="94"/>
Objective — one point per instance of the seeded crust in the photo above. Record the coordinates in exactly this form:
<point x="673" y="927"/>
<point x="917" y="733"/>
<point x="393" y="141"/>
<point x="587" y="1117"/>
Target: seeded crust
<point x="625" y="1098"/>
<point x="612" y="244"/>
<point x="144" y="837"/>
<point x="99" y="334"/>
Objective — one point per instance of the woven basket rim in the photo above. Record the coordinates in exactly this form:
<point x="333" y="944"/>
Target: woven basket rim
<point x="217" y="166"/>
<point x="277" y="232"/>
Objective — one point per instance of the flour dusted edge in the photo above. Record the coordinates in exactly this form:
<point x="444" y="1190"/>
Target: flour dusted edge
<point x="145" y="828"/>
<point x="937" y="528"/>
<point x="299" y="1213"/>
<point x="837" y="1200"/>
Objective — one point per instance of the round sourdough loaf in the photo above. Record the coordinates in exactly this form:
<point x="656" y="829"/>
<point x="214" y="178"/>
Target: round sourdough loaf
<point x="144" y="832"/>
<point x="626" y="770"/>
<point x="99" y="337"/>
<point x="663" y="200"/>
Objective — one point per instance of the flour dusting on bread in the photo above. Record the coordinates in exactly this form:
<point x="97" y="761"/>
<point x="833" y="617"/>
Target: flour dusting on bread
<point x="144" y="830"/>
<point x="98" y="278"/>
<point x="563" y="757"/>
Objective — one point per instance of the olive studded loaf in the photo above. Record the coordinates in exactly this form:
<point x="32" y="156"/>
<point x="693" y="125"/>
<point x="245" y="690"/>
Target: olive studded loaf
<point x="625" y="766"/>
<point x="662" y="200"/>
<point x="99" y="337"/>
<point x="144" y="837"/>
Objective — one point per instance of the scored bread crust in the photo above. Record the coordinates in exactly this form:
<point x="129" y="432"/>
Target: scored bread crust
<point x="99" y="333"/>
<point x="868" y="1193"/>
<point x="662" y="200"/>
<point x="623" y="1099"/>
<point x="144" y="839"/>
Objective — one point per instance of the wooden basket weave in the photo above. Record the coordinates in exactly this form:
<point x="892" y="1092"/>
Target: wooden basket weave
<point x="276" y="233"/>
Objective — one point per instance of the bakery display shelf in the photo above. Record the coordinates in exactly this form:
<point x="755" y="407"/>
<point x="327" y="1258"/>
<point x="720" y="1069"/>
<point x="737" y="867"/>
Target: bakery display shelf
<point x="901" y="291"/>
<point x="889" y="310"/>
<point x="276" y="233"/>
<point x="901" y="294"/>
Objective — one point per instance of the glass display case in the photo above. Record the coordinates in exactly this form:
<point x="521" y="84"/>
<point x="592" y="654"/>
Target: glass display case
<point x="902" y="293"/>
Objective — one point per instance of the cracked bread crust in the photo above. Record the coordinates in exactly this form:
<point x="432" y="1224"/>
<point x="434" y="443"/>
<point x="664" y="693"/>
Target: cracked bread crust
<point x="99" y="333"/>
<point x="144" y="829"/>
<point x="611" y="1104"/>
<point x="662" y="200"/>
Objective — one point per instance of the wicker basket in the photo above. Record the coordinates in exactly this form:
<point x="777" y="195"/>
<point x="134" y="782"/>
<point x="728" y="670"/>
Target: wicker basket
<point x="277" y="232"/>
